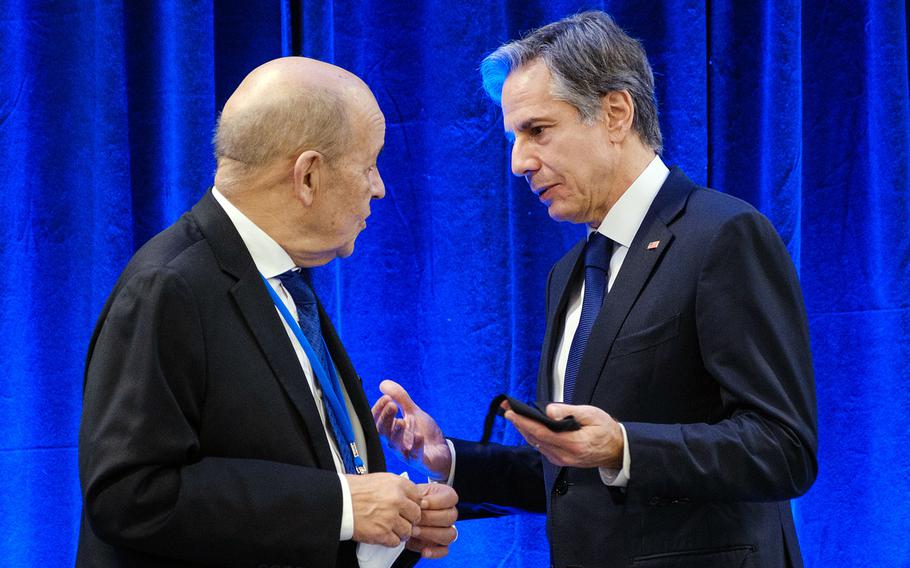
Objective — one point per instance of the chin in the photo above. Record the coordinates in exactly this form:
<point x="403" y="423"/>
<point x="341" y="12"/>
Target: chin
<point x="562" y="216"/>
<point x="346" y="251"/>
<point x="559" y="212"/>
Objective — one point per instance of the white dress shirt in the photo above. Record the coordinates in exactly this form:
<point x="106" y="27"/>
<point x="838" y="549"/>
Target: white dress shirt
<point x="620" y="225"/>
<point x="271" y="260"/>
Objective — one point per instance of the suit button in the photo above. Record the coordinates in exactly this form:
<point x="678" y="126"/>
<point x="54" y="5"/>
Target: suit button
<point x="654" y="501"/>
<point x="561" y="487"/>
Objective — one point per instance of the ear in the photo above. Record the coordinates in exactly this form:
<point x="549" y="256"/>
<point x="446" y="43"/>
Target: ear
<point x="618" y="112"/>
<point x="307" y="169"/>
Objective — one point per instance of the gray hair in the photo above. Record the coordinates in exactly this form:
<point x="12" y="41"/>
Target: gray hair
<point x="588" y="56"/>
<point x="310" y="118"/>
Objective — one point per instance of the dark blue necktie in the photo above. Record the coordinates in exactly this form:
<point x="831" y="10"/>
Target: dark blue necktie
<point x="597" y="253"/>
<point x="308" y="318"/>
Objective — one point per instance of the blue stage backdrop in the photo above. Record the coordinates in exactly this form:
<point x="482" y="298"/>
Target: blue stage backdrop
<point x="107" y="108"/>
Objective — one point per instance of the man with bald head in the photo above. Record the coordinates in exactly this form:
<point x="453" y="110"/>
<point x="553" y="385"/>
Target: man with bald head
<point x="223" y="423"/>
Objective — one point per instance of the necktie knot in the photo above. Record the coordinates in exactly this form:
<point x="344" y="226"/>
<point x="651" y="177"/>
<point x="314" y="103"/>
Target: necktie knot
<point x="597" y="251"/>
<point x="298" y="287"/>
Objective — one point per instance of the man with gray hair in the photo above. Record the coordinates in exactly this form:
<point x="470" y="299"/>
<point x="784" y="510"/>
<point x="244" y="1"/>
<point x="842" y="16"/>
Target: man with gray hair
<point x="676" y="335"/>
<point x="223" y="423"/>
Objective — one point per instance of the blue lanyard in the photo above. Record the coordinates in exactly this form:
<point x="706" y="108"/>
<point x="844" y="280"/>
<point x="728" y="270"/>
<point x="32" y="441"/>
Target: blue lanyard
<point x="331" y="386"/>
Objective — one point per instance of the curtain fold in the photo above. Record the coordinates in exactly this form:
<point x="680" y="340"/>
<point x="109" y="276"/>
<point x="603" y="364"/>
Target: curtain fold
<point x="801" y="108"/>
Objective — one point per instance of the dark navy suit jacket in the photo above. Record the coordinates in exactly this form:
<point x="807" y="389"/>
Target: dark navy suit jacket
<point x="701" y="350"/>
<point x="200" y="443"/>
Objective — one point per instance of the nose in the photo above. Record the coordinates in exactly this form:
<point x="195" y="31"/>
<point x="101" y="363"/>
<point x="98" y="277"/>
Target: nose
<point x="377" y="186"/>
<point x="524" y="162"/>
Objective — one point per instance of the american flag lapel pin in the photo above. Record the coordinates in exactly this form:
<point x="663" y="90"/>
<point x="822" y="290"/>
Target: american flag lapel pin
<point x="653" y="245"/>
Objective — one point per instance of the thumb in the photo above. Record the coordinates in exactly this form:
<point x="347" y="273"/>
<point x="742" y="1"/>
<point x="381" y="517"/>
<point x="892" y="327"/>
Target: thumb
<point x="399" y="395"/>
<point x="584" y="414"/>
<point x="558" y="410"/>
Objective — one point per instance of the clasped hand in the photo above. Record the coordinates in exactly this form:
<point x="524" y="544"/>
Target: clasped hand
<point x="389" y="509"/>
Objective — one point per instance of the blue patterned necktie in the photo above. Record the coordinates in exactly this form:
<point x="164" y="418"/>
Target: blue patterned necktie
<point x="308" y="318"/>
<point x="597" y="253"/>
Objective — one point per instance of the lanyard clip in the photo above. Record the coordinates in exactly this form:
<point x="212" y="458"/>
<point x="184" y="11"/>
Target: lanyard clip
<point x="358" y="462"/>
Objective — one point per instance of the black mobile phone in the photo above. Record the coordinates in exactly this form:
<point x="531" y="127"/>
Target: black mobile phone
<point x="534" y="412"/>
<point x="531" y="411"/>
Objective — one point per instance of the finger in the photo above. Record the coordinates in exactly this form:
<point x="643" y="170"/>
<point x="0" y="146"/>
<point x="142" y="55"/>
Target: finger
<point x="379" y="405"/>
<point x="402" y="529"/>
<point x="415" y="544"/>
<point x="389" y="540"/>
<point x="414" y="443"/>
<point x="558" y="411"/>
<point x="407" y="439"/>
<point x="399" y="437"/>
<point x="399" y="395"/>
<point x="410" y="512"/>
<point x="438" y="535"/>
<point x="584" y="414"/>
<point x="439" y="496"/>
<point x="526" y="426"/>
<point x="382" y="406"/>
<point x="427" y="550"/>
<point x="538" y="435"/>
<point x="395" y="432"/>
<point x="433" y="552"/>
<point x="386" y="419"/>
<point x="438" y="517"/>
<point x="412" y="491"/>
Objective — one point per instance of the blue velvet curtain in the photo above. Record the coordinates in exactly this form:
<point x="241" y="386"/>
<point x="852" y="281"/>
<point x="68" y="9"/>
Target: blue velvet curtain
<point x="107" y="108"/>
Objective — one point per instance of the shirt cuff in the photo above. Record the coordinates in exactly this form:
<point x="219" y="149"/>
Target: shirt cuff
<point x="347" y="510"/>
<point x="618" y="477"/>
<point x="451" y="479"/>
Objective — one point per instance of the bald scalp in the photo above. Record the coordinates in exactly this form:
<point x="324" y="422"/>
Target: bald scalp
<point x="283" y="108"/>
<point x="312" y="119"/>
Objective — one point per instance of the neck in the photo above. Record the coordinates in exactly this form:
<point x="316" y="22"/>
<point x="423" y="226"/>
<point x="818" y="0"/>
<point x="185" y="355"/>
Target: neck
<point x="272" y="207"/>
<point x="633" y="161"/>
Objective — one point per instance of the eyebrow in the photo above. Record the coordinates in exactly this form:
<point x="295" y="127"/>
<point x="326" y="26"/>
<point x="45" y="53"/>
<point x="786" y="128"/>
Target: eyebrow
<point x="526" y="124"/>
<point x="530" y="122"/>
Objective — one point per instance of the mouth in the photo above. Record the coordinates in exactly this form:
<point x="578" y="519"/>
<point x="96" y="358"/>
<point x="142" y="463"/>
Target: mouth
<point x="542" y="191"/>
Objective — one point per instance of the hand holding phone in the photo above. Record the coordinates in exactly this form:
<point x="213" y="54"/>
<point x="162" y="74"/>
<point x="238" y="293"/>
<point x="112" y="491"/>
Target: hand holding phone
<point x="532" y="411"/>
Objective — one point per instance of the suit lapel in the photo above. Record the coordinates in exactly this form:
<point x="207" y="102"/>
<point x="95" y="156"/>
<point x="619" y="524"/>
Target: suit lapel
<point x="641" y="260"/>
<point x="257" y="309"/>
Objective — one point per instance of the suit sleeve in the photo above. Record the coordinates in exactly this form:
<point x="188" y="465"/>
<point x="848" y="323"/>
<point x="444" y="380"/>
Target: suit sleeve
<point x="493" y="480"/>
<point x="754" y="341"/>
<point x="145" y="483"/>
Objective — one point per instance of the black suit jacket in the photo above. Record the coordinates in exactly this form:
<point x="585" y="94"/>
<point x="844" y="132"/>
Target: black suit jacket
<point x="200" y="442"/>
<point x="701" y="350"/>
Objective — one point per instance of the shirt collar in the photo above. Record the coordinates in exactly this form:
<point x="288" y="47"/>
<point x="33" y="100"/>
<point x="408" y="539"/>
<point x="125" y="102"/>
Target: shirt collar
<point x="627" y="214"/>
<point x="268" y="256"/>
